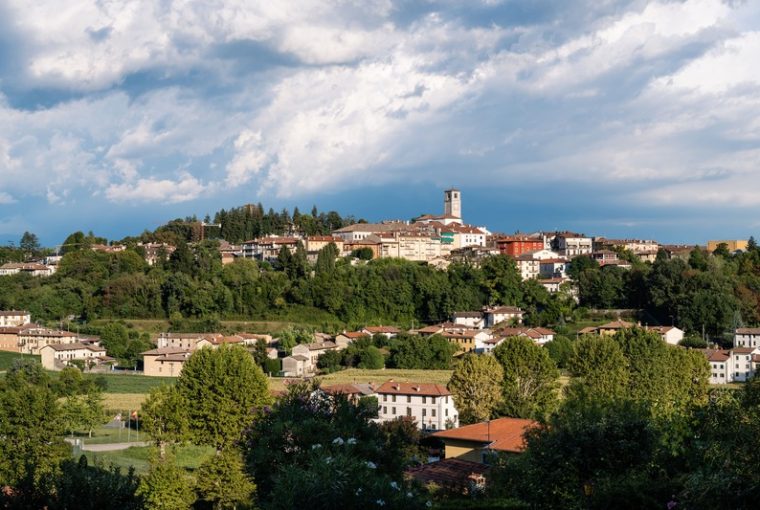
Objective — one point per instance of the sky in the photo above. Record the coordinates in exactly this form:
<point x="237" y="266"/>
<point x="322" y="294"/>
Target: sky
<point x="618" y="118"/>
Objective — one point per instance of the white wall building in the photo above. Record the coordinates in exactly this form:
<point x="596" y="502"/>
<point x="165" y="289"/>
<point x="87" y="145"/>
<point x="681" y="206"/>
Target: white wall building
<point x="13" y="318"/>
<point x="431" y="406"/>
<point x="747" y="337"/>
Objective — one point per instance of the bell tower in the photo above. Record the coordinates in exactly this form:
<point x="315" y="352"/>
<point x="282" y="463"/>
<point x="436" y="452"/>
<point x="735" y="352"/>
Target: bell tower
<point x="452" y="203"/>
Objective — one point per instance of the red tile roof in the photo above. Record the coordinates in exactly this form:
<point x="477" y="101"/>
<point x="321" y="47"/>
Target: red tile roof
<point x="449" y="473"/>
<point x="503" y="434"/>
<point x="406" y="388"/>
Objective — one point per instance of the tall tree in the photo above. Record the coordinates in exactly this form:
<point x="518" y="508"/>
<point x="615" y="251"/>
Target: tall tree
<point x="29" y="244"/>
<point x="476" y="385"/>
<point x="165" y="486"/>
<point x="531" y="379"/>
<point x="164" y="417"/>
<point x="223" y="482"/>
<point x="598" y="367"/>
<point x="223" y="388"/>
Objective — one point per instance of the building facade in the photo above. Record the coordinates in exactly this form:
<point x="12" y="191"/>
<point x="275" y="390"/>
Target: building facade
<point x="431" y="406"/>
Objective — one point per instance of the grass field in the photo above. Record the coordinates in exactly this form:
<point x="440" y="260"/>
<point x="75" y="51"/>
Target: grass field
<point x="187" y="457"/>
<point x="7" y="359"/>
<point x="131" y="383"/>
<point x="358" y="375"/>
<point x="115" y="402"/>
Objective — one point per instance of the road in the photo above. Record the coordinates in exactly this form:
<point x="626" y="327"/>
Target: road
<point x="108" y="447"/>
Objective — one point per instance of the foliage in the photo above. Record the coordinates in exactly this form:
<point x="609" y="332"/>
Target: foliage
<point x="95" y="487"/>
<point x="164" y="487"/>
<point x="476" y="386"/>
<point x="328" y="448"/>
<point x="530" y="381"/>
<point x="164" y="416"/>
<point x="223" y="389"/>
<point x="222" y="482"/>
<point x="560" y="350"/>
<point x="598" y="368"/>
<point x="414" y="351"/>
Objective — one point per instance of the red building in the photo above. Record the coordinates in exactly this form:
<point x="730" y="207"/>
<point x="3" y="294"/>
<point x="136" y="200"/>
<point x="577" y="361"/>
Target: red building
<point x="517" y="245"/>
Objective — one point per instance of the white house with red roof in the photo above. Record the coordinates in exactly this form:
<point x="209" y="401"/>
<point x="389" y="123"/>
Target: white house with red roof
<point x="14" y="318"/>
<point x="431" y="406"/>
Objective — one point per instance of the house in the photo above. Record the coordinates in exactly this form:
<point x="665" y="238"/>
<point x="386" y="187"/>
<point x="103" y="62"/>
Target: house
<point x="33" y="338"/>
<point x="454" y="475"/>
<point x="313" y="351"/>
<point x="10" y="318"/>
<point x="297" y="365"/>
<point x="268" y="248"/>
<point x="738" y="364"/>
<point x="360" y="231"/>
<point x="539" y="335"/>
<point x="343" y="339"/>
<point x="387" y="331"/>
<point x="9" y="338"/>
<point x="518" y="245"/>
<point x="372" y="244"/>
<point x="186" y="341"/>
<point x="747" y="337"/>
<point x="733" y="245"/>
<point x="165" y="362"/>
<point x="552" y="285"/>
<point x="354" y="392"/>
<point x="468" y="319"/>
<point x="58" y="356"/>
<point x="553" y="268"/>
<point x="608" y="329"/>
<point x="431" y="406"/>
<point x="528" y="265"/>
<point x="499" y="314"/>
<point x="670" y="334"/>
<point x="30" y="268"/>
<point x="314" y="244"/>
<point x="466" y="340"/>
<point x="476" y="442"/>
<point x="156" y="252"/>
<point x="571" y="244"/>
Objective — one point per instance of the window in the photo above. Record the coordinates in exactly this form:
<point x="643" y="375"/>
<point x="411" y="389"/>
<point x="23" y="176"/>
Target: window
<point x="393" y="398"/>
<point x="393" y="410"/>
<point x="385" y="410"/>
<point x="385" y="398"/>
<point x="447" y="412"/>
<point x="432" y="400"/>
<point x="408" y="399"/>
<point x="424" y="413"/>
<point x="424" y="400"/>
<point x="409" y="411"/>
<point x="433" y="413"/>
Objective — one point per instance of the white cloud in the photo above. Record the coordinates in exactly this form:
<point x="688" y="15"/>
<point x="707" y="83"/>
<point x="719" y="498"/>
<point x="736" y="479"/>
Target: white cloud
<point x="185" y="188"/>
<point x="6" y="198"/>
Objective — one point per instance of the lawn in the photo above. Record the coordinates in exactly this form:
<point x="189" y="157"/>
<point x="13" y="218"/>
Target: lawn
<point x="105" y="435"/>
<point x="120" y="402"/>
<point x="131" y="383"/>
<point x="358" y="375"/>
<point x="7" y="358"/>
<point x="188" y="457"/>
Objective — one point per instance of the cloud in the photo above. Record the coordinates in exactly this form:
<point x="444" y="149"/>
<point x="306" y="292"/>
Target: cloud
<point x="5" y="198"/>
<point x="152" y="190"/>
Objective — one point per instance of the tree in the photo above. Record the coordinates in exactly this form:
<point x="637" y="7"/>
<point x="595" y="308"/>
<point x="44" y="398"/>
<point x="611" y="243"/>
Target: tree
<point x="223" y="482"/>
<point x="164" y="417"/>
<point x="560" y="349"/>
<point x="476" y="385"/>
<point x="223" y="389"/>
<point x="416" y="352"/>
<point x="29" y="244"/>
<point x="371" y="358"/>
<point x="31" y="448"/>
<point x="579" y="265"/>
<point x="501" y="280"/>
<point x="530" y="378"/>
<point x="95" y="487"/>
<point x="598" y="367"/>
<point x="164" y="487"/>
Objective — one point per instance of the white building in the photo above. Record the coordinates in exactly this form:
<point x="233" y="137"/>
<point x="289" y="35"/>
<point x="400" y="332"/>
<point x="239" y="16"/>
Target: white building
<point x="468" y="319"/>
<point x="553" y="268"/>
<point x="571" y="244"/>
<point x="31" y="268"/>
<point x="735" y="365"/>
<point x="747" y="337"/>
<point x="500" y="314"/>
<point x="670" y="334"/>
<point x="431" y="406"/>
<point x="58" y="356"/>
<point x="13" y="318"/>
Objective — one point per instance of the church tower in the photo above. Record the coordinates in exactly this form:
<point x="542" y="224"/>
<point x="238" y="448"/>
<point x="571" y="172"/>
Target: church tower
<point x="452" y="203"/>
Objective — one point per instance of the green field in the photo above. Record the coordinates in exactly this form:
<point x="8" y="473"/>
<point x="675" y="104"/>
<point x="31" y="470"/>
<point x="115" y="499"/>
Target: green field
<point x="7" y="359"/>
<point x="188" y="457"/>
<point x="131" y="383"/>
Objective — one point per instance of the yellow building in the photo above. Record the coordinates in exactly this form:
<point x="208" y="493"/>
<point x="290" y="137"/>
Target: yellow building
<point x="733" y="245"/>
<point x="474" y="442"/>
<point x="165" y="362"/>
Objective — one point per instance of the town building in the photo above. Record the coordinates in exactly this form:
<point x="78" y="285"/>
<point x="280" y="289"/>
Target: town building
<point x="10" y="318"/>
<point x="477" y="442"/>
<point x="268" y="248"/>
<point x="733" y="245"/>
<point x="33" y="338"/>
<point x="431" y="406"/>
<point x="466" y="339"/>
<point x="571" y="244"/>
<point x="30" y="268"/>
<point x="518" y="245"/>
<point x="59" y="356"/>
<point x="166" y="362"/>
<point x="738" y="364"/>
<point x="747" y="337"/>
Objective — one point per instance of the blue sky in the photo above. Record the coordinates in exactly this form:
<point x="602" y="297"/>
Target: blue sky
<point x="618" y="118"/>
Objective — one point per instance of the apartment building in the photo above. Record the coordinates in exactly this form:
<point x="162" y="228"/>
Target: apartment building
<point x="431" y="406"/>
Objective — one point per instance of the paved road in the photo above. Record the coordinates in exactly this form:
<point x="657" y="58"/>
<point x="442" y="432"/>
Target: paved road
<point x="109" y="447"/>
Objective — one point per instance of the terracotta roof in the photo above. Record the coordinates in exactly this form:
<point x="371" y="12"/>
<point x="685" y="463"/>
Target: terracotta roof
<point x="320" y="346"/>
<point x="354" y="334"/>
<point x="164" y="351"/>
<point x="37" y="331"/>
<point x="742" y="350"/>
<point x="617" y="325"/>
<point x="716" y="355"/>
<point x="748" y="331"/>
<point x="463" y="315"/>
<point x="503" y="434"/>
<point x="174" y="357"/>
<point x="74" y="347"/>
<point x="382" y="329"/>
<point x="448" y="472"/>
<point x="430" y="329"/>
<point x="12" y="313"/>
<point x="406" y="388"/>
